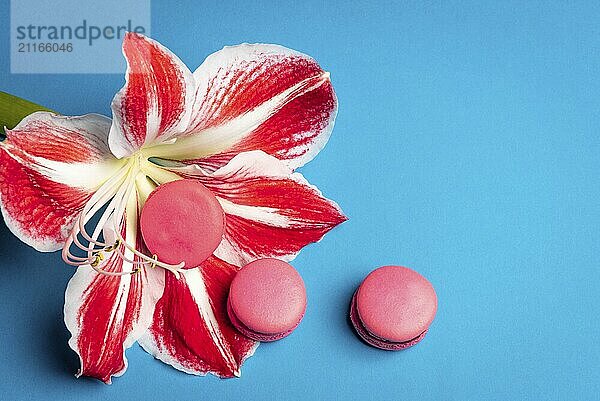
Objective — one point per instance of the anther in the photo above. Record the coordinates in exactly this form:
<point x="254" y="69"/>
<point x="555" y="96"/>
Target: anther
<point x="98" y="257"/>
<point x="114" y="246"/>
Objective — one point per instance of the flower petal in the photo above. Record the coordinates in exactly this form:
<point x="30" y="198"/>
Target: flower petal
<point x="107" y="314"/>
<point x="191" y="331"/>
<point x="270" y="211"/>
<point x="156" y="101"/>
<point x="258" y="97"/>
<point x="49" y="167"/>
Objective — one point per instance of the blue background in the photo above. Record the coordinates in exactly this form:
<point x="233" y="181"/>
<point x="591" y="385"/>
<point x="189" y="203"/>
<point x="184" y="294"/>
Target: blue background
<point x="466" y="147"/>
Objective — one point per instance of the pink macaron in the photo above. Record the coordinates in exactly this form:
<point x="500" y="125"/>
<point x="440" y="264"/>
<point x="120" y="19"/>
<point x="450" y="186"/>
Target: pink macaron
<point x="182" y="221"/>
<point x="393" y="308"/>
<point x="267" y="300"/>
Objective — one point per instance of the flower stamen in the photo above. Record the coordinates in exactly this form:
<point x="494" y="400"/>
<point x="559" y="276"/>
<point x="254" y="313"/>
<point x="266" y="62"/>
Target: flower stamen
<point x="98" y="257"/>
<point x="120" y="196"/>
<point x="68" y="257"/>
<point x="113" y="246"/>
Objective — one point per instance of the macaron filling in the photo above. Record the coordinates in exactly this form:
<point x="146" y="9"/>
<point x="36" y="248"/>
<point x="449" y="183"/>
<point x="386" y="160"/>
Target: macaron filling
<point x="374" y="340"/>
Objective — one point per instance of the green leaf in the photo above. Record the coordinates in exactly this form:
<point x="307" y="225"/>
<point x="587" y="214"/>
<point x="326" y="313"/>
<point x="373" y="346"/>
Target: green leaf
<point x="13" y="109"/>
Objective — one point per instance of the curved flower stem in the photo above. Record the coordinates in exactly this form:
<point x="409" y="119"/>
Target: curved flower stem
<point x="13" y="109"/>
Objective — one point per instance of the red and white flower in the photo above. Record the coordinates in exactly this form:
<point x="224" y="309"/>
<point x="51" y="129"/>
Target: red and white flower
<point x="241" y="123"/>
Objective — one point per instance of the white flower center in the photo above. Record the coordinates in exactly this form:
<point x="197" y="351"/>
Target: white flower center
<point x="121" y="195"/>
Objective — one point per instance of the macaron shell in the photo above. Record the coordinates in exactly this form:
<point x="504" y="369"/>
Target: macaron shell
<point x="396" y="304"/>
<point x="182" y="221"/>
<point x="268" y="296"/>
<point x="377" y="342"/>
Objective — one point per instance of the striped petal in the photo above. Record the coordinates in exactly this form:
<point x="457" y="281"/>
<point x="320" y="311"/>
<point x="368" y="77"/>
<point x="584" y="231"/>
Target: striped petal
<point x="270" y="210"/>
<point x="49" y="167"/>
<point x="258" y="97"/>
<point x="106" y="314"/>
<point x="191" y="331"/>
<point x="156" y="101"/>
